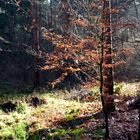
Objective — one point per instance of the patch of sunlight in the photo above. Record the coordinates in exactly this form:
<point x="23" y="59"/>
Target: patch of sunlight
<point x="130" y="89"/>
<point x="56" y="109"/>
<point x="63" y="105"/>
<point x="46" y="115"/>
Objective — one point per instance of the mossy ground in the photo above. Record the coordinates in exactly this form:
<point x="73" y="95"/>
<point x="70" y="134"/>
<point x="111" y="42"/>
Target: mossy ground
<point x="27" y="121"/>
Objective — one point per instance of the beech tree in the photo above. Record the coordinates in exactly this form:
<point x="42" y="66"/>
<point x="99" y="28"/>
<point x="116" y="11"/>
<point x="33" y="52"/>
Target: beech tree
<point x="83" y="45"/>
<point x="92" y="49"/>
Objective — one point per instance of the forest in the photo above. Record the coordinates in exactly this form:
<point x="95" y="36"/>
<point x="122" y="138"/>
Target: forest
<point x="69" y="70"/>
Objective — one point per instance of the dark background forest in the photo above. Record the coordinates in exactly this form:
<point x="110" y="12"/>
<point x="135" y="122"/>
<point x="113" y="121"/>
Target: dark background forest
<point x="17" y="52"/>
<point x="69" y="69"/>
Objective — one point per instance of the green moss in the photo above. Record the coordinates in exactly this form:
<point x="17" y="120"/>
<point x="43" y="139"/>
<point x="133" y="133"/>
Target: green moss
<point x="7" y="133"/>
<point x="21" y="108"/>
<point x="57" y="133"/>
<point x="117" y="88"/>
<point x="20" y="131"/>
<point x="95" y="90"/>
<point x="74" y="112"/>
<point x="51" y="134"/>
<point x="69" y="117"/>
<point x="77" y="132"/>
<point x="15" y="121"/>
<point x="11" y="130"/>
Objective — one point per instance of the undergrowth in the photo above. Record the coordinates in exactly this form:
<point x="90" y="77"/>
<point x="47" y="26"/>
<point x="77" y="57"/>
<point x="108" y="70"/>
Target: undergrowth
<point x="26" y="120"/>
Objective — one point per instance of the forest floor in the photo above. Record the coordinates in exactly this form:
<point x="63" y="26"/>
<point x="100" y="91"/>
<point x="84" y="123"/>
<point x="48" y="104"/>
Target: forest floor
<point x="63" y="115"/>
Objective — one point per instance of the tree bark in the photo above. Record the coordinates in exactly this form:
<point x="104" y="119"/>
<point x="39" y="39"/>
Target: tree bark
<point x="107" y="46"/>
<point x="106" y="86"/>
<point x="35" y="40"/>
<point x="66" y="15"/>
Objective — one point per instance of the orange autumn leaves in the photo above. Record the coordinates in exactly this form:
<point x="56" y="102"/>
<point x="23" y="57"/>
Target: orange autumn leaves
<point x="87" y="50"/>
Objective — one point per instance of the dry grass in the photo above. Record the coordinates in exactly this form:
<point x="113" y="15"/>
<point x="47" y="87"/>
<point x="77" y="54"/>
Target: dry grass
<point x="130" y="89"/>
<point x="47" y="115"/>
<point x="56" y="109"/>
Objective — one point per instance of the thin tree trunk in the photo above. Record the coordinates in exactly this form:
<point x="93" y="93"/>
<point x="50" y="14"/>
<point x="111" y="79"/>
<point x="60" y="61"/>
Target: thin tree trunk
<point x="51" y="14"/>
<point x="101" y="91"/>
<point x="106" y="87"/>
<point x="35" y="40"/>
<point x="107" y="46"/>
<point x="66" y="22"/>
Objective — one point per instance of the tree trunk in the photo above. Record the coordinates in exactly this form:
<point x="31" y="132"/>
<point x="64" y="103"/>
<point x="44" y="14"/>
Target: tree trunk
<point x="107" y="46"/>
<point x="51" y="22"/>
<point x="35" y="40"/>
<point x="66" y="15"/>
<point x="106" y="87"/>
